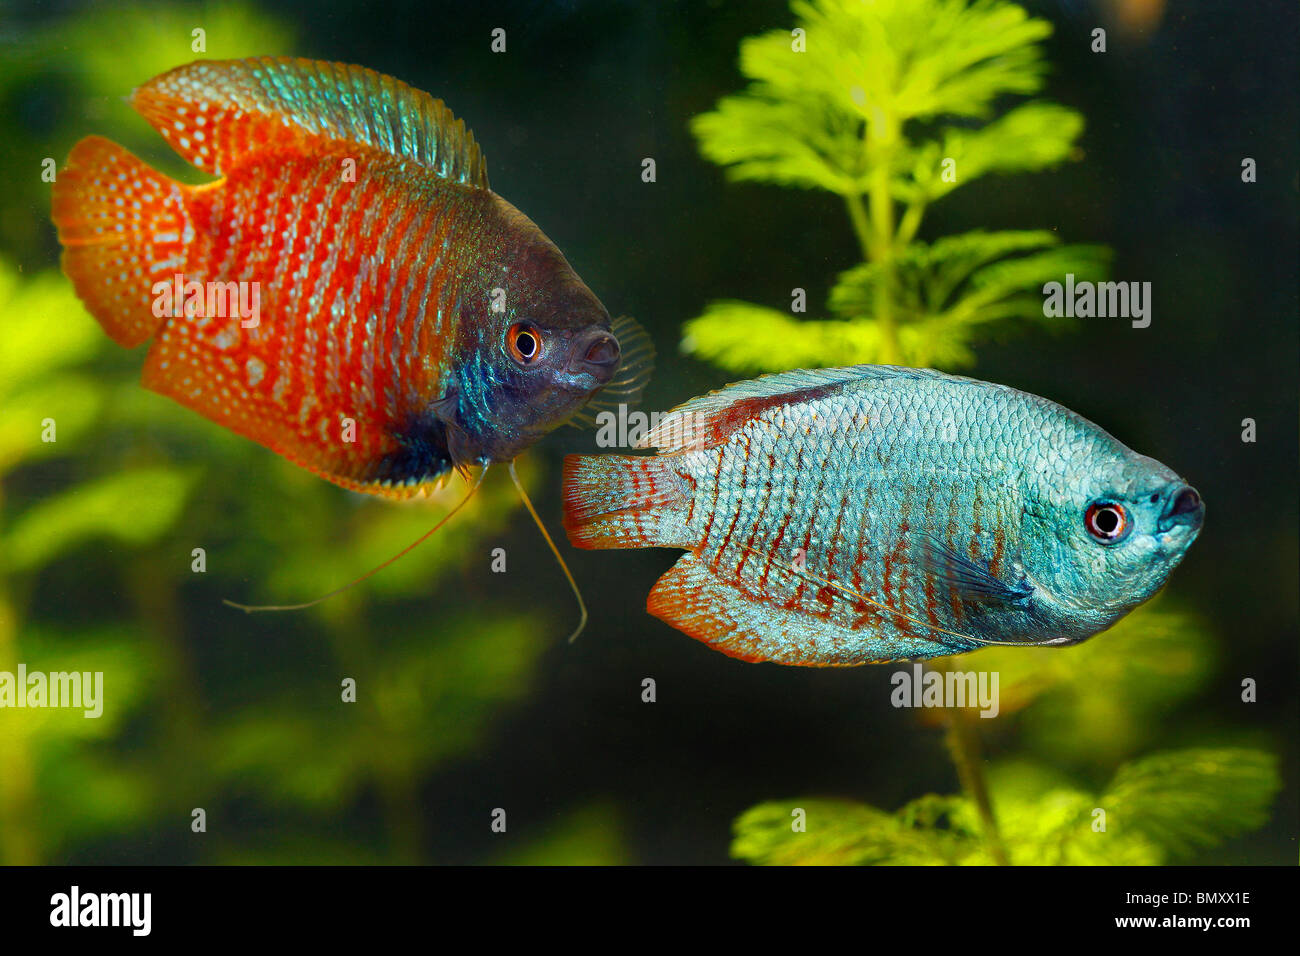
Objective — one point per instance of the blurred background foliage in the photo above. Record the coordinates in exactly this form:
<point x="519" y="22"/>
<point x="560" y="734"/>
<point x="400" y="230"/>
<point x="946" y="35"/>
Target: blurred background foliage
<point x="468" y="699"/>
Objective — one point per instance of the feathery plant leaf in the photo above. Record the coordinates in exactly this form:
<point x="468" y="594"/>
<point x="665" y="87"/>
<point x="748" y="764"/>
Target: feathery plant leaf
<point x="428" y="701"/>
<point x="33" y="307"/>
<point x="1159" y="806"/>
<point x="892" y="105"/>
<point x="948" y="289"/>
<point x="742" y="337"/>
<point x="1186" y="799"/>
<point x="133" y="507"/>
<point x="805" y="116"/>
<point x="1030" y="137"/>
<point x="947" y="296"/>
<point x="842" y="832"/>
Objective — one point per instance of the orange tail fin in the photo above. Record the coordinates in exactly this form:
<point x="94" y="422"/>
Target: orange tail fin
<point x="123" y="227"/>
<point x="613" y="501"/>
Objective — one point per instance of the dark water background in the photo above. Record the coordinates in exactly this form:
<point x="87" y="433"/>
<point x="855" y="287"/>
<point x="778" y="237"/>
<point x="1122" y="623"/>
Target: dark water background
<point x="586" y="91"/>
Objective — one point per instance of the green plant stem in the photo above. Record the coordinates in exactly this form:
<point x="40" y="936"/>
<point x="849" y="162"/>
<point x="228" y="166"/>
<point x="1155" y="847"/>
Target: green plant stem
<point x="964" y="745"/>
<point x="909" y="224"/>
<point x="882" y="212"/>
<point x="874" y="251"/>
<point x="875" y="228"/>
<point x="183" y="743"/>
<point x="861" y="224"/>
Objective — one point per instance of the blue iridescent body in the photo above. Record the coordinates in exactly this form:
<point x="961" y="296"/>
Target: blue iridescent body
<point x="873" y="513"/>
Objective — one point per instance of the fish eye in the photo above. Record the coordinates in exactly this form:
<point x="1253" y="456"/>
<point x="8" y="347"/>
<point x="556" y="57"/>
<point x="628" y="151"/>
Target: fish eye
<point x="524" y="343"/>
<point x="1106" y="521"/>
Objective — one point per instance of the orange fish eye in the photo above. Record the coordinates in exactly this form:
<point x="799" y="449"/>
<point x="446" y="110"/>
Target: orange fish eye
<point x="1106" y="521"/>
<point x="524" y="343"/>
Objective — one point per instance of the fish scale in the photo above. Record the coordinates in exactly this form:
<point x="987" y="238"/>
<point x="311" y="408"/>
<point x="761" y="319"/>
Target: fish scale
<point x="844" y="516"/>
<point x="292" y="338"/>
<point x="771" y="503"/>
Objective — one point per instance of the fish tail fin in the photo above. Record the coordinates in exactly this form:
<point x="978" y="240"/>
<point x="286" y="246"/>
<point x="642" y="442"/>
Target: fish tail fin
<point x="616" y="501"/>
<point x="123" y="226"/>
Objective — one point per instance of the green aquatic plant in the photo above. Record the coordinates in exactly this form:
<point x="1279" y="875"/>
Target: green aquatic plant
<point x="1089" y="705"/>
<point x="1099" y="702"/>
<point x="892" y="105"/>
<point x="205" y="707"/>
<point x="1155" y="809"/>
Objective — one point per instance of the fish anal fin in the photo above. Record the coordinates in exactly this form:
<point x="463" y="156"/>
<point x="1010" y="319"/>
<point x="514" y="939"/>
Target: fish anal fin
<point x="215" y="112"/>
<point x="691" y="598"/>
<point x="238" y="386"/>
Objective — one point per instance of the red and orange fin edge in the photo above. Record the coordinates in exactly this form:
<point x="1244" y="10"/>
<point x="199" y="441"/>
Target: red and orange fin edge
<point x="613" y="501"/>
<point x="183" y="365"/>
<point x="123" y="226"/>
<point x="215" y="112"/>
<point x="693" y="599"/>
<point x="690" y="598"/>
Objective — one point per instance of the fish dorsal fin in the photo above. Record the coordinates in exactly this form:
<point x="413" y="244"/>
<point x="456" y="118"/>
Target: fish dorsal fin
<point x="213" y="112"/>
<point x="706" y="421"/>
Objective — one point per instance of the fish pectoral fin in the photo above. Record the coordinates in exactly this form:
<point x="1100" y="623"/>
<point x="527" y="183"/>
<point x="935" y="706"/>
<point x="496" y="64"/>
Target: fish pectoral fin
<point x="636" y="363"/>
<point x="460" y="446"/>
<point x="972" y="581"/>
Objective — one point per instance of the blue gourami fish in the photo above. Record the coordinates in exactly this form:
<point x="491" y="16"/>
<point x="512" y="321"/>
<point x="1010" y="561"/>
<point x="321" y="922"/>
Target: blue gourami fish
<point x="874" y="513"/>
<point x="407" y="320"/>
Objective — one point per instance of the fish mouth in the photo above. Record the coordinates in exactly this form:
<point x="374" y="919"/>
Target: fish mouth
<point x="1183" y="509"/>
<point x="596" y="354"/>
<point x="600" y="352"/>
<point x="593" y="361"/>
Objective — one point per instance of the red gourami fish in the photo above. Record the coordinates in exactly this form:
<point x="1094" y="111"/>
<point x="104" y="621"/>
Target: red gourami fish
<point x="349" y="292"/>
<point x="873" y="513"/>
